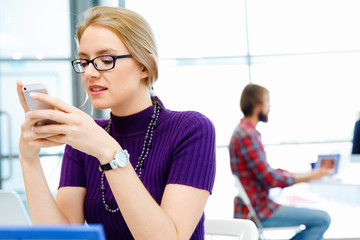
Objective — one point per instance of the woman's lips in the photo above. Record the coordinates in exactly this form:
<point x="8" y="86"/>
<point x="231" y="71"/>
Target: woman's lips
<point x="96" y="90"/>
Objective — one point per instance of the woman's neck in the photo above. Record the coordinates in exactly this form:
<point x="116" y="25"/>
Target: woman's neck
<point x="134" y="105"/>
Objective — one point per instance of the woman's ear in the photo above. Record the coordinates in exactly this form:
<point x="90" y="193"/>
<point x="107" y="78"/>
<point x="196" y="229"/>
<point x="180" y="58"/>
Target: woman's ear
<point x="144" y="72"/>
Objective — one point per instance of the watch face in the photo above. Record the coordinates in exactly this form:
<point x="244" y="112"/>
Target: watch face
<point x="122" y="158"/>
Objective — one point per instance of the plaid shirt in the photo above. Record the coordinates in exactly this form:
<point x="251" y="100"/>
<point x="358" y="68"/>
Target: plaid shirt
<point x="248" y="162"/>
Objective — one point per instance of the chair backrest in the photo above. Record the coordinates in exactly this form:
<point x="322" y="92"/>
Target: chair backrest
<point x="243" y="229"/>
<point x="241" y="193"/>
<point x="12" y="209"/>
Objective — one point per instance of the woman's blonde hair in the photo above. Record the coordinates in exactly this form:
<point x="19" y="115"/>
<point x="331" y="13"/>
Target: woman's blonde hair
<point x="132" y="29"/>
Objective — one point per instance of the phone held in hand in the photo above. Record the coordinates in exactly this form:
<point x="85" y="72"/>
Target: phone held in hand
<point x="35" y="104"/>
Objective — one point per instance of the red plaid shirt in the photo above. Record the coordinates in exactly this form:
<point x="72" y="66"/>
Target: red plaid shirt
<point x="248" y="162"/>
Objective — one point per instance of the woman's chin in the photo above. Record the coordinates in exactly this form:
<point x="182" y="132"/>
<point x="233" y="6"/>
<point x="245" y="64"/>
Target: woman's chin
<point x="99" y="106"/>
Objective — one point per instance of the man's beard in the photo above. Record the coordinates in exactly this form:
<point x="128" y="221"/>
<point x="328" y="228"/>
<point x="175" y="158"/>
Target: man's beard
<point x="263" y="117"/>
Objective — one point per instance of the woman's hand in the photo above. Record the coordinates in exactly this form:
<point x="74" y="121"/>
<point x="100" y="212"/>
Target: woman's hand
<point x="75" y="128"/>
<point x="30" y="143"/>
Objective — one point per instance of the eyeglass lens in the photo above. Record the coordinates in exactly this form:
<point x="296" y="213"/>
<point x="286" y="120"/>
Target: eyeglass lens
<point x="100" y="63"/>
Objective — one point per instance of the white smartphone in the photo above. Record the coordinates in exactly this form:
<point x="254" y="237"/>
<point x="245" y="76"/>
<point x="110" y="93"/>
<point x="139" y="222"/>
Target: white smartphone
<point x="34" y="104"/>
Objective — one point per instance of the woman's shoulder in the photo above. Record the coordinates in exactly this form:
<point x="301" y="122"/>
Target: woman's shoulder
<point x="189" y="119"/>
<point x="184" y="117"/>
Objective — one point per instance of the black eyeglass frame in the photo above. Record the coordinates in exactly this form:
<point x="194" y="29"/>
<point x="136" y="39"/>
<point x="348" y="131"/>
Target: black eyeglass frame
<point x="92" y="61"/>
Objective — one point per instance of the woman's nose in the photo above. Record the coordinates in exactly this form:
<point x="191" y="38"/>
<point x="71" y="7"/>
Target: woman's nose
<point x="91" y="71"/>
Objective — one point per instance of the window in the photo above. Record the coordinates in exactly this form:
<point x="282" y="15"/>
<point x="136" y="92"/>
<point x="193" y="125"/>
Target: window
<point x="301" y="26"/>
<point x="313" y="97"/>
<point x="195" y="29"/>
<point x="202" y="50"/>
<point x="34" y="47"/>
<point x="209" y="50"/>
<point x="35" y="29"/>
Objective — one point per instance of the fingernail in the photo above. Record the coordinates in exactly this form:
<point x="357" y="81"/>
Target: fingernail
<point x="28" y="114"/>
<point x="33" y="128"/>
<point x="34" y="94"/>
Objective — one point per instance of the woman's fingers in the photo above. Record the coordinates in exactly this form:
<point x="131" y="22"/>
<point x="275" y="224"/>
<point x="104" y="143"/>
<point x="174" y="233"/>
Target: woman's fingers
<point x="59" y="139"/>
<point x="31" y="140"/>
<point x="45" y="135"/>
<point x="48" y="114"/>
<point x="65" y="130"/>
<point x="22" y="100"/>
<point x="53" y="101"/>
<point x="61" y="133"/>
<point x="45" y="143"/>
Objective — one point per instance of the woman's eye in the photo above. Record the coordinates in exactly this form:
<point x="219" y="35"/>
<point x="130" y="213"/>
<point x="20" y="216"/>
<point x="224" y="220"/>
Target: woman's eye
<point x="107" y="61"/>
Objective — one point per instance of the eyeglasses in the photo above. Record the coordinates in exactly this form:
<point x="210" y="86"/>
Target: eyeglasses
<point x="101" y="63"/>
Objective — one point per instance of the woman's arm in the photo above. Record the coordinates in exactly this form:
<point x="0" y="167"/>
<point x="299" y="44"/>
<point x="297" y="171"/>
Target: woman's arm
<point x="184" y="205"/>
<point x="42" y="206"/>
<point x="177" y="216"/>
<point x="181" y="205"/>
<point x="69" y="205"/>
<point x="70" y="201"/>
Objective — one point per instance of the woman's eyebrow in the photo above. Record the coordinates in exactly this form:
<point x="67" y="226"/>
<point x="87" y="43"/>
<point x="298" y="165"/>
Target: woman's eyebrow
<point x="99" y="53"/>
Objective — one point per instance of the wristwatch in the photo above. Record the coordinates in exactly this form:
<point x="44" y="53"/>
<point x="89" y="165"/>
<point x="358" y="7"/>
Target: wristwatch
<point x="121" y="160"/>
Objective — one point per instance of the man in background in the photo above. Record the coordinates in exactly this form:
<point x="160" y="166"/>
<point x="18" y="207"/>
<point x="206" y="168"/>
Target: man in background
<point x="248" y="162"/>
<point x="356" y="139"/>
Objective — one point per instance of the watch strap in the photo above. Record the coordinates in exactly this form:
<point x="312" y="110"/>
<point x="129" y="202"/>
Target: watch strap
<point x="105" y="167"/>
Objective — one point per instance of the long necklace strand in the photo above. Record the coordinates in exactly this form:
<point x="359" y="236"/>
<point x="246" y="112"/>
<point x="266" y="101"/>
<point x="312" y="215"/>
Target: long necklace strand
<point x="144" y="153"/>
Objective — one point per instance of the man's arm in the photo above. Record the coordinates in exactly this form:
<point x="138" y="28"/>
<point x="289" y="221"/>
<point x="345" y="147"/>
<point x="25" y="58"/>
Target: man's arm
<point x="313" y="175"/>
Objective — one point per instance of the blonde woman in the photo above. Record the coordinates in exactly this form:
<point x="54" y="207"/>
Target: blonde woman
<point x="145" y="173"/>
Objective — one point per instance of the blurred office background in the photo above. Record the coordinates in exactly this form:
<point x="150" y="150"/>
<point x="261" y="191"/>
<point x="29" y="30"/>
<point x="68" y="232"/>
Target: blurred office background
<point x="306" y="52"/>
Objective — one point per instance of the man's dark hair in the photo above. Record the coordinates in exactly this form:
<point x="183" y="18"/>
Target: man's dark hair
<point x="251" y="96"/>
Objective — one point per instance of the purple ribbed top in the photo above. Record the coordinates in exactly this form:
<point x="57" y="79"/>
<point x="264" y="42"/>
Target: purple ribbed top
<point x="183" y="152"/>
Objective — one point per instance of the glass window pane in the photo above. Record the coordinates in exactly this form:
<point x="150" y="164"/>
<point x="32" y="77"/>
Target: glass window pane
<point x="313" y="98"/>
<point x="212" y="89"/>
<point x="51" y="166"/>
<point x="13" y="170"/>
<point x="34" y="29"/>
<point x="56" y="75"/>
<point x="202" y="28"/>
<point x="292" y="26"/>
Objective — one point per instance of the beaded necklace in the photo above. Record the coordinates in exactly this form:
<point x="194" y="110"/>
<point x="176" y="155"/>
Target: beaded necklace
<point x="144" y="153"/>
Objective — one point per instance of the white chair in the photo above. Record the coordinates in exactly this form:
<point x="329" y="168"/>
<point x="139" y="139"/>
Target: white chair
<point x="12" y="209"/>
<point x="243" y="229"/>
<point x="265" y="233"/>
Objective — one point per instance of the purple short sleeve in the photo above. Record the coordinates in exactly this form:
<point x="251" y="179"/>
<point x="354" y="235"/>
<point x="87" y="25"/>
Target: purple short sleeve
<point x="193" y="162"/>
<point x="72" y="169"/>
